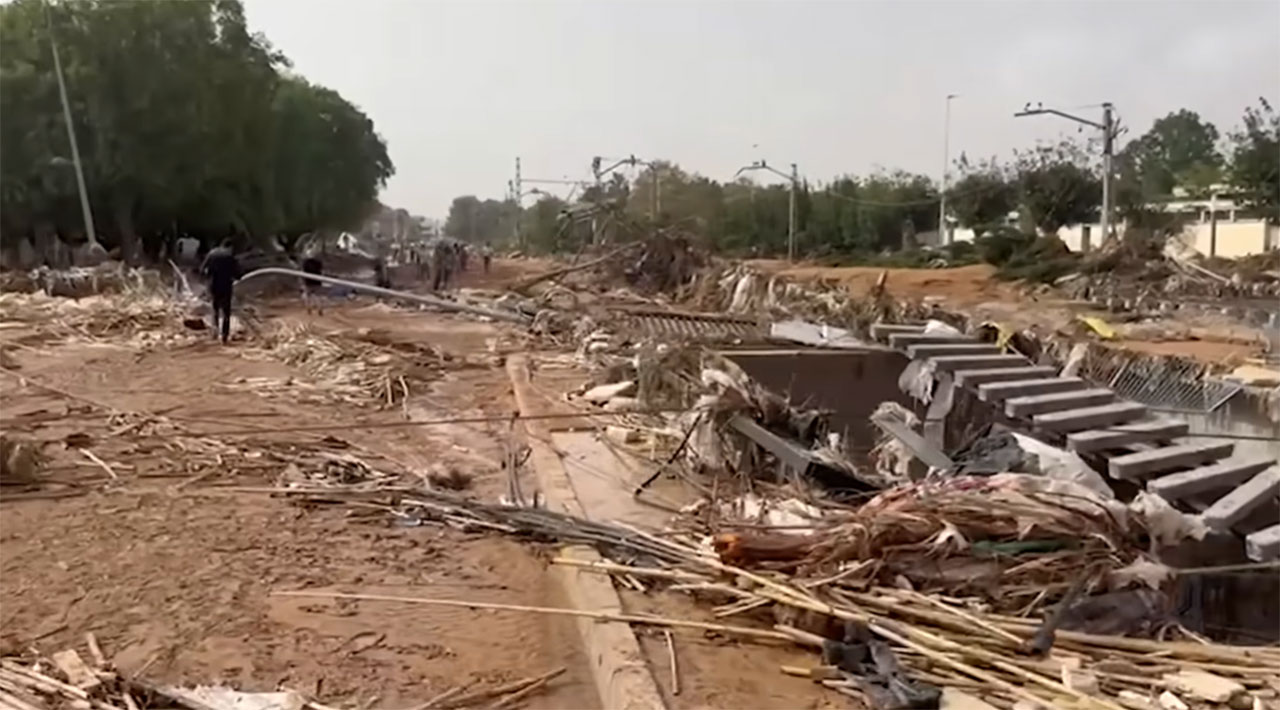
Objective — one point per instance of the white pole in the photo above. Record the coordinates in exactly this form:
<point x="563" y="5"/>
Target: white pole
<point x="1107" y="148"/>
<point x="943" y="233"/>
<point x="791" y="216"/>
<point x="71" y="133"/>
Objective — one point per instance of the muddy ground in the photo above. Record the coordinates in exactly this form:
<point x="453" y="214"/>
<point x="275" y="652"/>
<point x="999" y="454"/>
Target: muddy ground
<point x="175" y="580"/>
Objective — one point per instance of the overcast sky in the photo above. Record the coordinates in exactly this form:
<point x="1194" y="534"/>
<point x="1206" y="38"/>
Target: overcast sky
<point x="459" y="89"/>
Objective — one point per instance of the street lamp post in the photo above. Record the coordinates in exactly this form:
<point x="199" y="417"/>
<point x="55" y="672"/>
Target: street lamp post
<point x="633" y="161"/>
<point x="794" y="179"/>
<point x="943" y="232"/>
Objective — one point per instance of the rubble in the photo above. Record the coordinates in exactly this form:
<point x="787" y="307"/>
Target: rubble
<point x="363" y="366"/>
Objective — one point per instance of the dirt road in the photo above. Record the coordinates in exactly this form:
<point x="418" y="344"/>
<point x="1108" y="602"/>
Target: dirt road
<point x="175" y="576"/>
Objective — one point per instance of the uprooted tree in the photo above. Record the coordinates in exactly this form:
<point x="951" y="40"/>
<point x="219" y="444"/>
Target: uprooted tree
<point x="186" y="123"/>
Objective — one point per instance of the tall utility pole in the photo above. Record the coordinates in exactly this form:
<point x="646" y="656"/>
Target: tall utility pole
<point x="633" y="161"/>
<point x="90" y="233"/>
<point x="517" y="193"/>
<point x="1108" y="128"/>
<point x="943" y="232"/>
<point x="794" y="179"/>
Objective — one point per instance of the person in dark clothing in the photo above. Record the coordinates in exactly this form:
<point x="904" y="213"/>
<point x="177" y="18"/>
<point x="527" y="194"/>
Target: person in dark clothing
<point x="381" y="278"/>
<point x="311" y="287"/>
<point x="223" y="270"/>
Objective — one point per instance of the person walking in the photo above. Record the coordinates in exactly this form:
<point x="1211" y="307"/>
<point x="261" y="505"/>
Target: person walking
<point x="311" y="288"/>
<point x="222" y="269"/>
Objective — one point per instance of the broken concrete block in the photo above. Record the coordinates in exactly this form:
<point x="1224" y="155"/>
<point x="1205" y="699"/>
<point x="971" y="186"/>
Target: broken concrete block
<point x="603" y="393"/>
<point x="1203" y="685"/>
<point x="1234" y="506"/>
<point x="1126" y="435"/>
<point x="622" y="404"/>
<point x="622" y="434"/>
<point x="1263" y="545"/>
<point x="924" y="350"/>
<point x="951" y="363"/>
<point x="1168" y="458"/>
<point x="1224" y="474"/>
<point x="880" y="331"/>
<point x="997" y="392"/>
<point x="1090" y="417"/>
<point x="974" y="377"/>
<point x="1031" y="405"/>
<point x="903" y="340"/>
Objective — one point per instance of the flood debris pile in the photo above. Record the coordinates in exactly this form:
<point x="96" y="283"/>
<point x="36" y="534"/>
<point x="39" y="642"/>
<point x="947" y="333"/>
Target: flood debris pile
<point x="30" y="681"/>
<point x="1147" y="267"/>
<point x="1015" y="542"/>
<point x="740" y="288"/>
<point x="128" y="449"/>
<point x="882" y="596"/>
<point x="142" y="317"/>
<point x="361" y="367"/>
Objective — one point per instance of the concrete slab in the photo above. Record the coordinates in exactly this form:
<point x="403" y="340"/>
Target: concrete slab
<point x="902" y="340"/>
<point x="1033" y="404"/>
<point x="939" y="349"/>
<point x="981" y="376"/>
<point x="1264" y="545"/>
<point x="622" y="675"/>
<point x="952" y="363"/>
<point x="880" y="331"/>
<point x="1234" y="506"/>
<point x="1090" y="417"/>
<point x="1223" y="474"/>
<point x="997" y="392"/>
<point x="1168" y="458"/>
<point x="1126" y="435"/>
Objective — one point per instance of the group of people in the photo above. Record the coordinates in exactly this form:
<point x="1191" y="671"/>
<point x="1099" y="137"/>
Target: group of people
<point x="448" y="259"/>
<point x="222" y="269"/>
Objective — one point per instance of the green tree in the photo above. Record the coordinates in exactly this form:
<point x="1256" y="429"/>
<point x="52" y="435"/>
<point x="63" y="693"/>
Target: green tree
<point x="184" y="122"/>
<point x="1255" y="159"/>
<point x="328" y="163"/>
<point x="983" y="197"/>
<point x="1057" y="186"/>
<point x="1179" y="150"/>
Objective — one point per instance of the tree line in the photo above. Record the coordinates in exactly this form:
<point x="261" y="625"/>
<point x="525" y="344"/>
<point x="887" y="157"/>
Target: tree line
<point x="1046" y="187"/>
<point x="187" y="124"/>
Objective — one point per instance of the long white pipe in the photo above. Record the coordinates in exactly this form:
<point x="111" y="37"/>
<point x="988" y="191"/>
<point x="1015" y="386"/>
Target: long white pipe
<point x="440" y="303"/>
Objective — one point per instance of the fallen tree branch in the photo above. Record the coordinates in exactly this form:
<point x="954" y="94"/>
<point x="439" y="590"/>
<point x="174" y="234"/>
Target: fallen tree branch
<point x="529" y="282"/>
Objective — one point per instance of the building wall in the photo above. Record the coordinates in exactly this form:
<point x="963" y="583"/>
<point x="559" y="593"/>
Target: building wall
<point x="1234" y="239"/>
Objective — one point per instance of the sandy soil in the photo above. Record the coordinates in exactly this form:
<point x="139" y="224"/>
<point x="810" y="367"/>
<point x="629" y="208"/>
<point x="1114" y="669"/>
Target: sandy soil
<point x="176" y="582"/>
